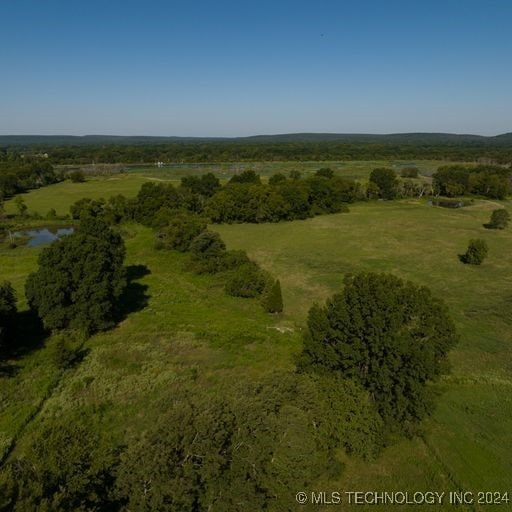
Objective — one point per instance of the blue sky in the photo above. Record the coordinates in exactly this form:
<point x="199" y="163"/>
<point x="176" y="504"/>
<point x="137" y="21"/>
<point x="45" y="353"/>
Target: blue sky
<point x="241" y="68"/>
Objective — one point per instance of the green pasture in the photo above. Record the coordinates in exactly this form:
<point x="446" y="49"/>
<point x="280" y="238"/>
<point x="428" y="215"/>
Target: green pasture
<point x="191" y="333"/>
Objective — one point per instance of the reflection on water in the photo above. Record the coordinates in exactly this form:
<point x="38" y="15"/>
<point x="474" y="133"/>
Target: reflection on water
<point x="43" y="235"/>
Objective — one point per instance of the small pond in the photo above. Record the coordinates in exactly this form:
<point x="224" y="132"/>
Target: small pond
<point x="44" y="235"/>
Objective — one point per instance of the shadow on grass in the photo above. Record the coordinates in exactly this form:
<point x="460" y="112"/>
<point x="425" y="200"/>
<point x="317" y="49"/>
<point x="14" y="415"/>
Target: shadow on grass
<point x="135" y="297"/>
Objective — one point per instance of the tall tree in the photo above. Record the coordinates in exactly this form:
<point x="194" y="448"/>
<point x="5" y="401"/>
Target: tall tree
<point x="390" y="336"/>
<point x="80" y="279"/>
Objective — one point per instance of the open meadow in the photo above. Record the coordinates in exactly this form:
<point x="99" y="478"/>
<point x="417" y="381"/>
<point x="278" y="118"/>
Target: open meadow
<point x="181" y="329"/>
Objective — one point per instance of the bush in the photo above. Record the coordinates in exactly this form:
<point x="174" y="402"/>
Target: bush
<point x="499" y="219"/>
<point x="272" y="300"/>
<point x="52" y="214"/>
<point x="245" y="281"/>
<point x="234" y="259"/>
<point x="389" y="336"/>
<point x="65" y="350"/>
<point x="476" y="252"/>
<point x="77" y="176"/>
<point x="180" y="231"/>
<point x="206" y="252"/>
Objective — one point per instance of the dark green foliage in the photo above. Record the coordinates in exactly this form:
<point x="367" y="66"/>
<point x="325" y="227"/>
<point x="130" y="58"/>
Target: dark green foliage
<point x="499" y="219"/>
<point x="80" y="279"/>
<point x="295" y="175"/>
<point x="245" y="281"/>
<point x="276" y="178"/>
<point x="476" y="252"/>
<point x="77" y="176"/>
<point x="181" y="229"/>
<point x="207" y="251"/>
<point x="87" y="208"/>
<point x="205" y="185"/>
<point x="283" y="200"/>
<point x="486" y="180"/>
<point x="325" y="172"/>
<point x="249" y="450"/>
<point x="389" y="336"/>
<point x="234" y="259"/>
<point x="65" y="349"/>
<point x="152" y="197"/>
<point x="7" y="311"/>
<point x="409" y="172"/>
<point x="272" y="300"/>
<point x="68" y="466"/>
<point x="246" y="177"/>
<point x="386" y="181"/>
<point x="118" y="209"/>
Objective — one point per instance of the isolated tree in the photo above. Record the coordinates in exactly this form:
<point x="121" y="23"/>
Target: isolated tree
<point x="272" y="300"/>
<point x="386" y="181"/>
<point x="80" y="279"/>
<point x="21" y="206"/>
<point x="77" y="176"/>
<point x="476" y="252"/>
<point x="499" y="219"/>
<point x="390" y="336"/>
<point x="181" y="229"/>
<point x="7" y="311"/>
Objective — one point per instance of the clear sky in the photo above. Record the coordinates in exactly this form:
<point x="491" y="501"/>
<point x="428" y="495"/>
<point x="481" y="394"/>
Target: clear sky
<point x="228" y="68"/>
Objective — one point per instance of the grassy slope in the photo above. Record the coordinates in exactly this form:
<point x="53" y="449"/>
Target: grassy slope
<point x="468" y="442"/>
<point x="191" y="330"/>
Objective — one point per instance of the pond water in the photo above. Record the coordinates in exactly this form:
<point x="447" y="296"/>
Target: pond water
<point x="43" y="236"/>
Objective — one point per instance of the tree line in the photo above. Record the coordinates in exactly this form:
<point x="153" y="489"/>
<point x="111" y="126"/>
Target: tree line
<point x="231" y="151"/>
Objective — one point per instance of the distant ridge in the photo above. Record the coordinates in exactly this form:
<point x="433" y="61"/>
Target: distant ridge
<point x="349" y="138"/>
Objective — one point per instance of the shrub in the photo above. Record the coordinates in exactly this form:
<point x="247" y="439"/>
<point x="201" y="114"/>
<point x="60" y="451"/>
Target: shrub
<point x="499" y="219"/>
<point x="476" y="252"/>
<point x="52" y="214"/>
<point x="65" y="349"/>
<point x="206" y="252"/>
<point x="272" y="300"/>
<point x="389" y="336"/>
<point x="245" y="281"/>
<point x="77" y="176"/>
<point x="234" y="259"/>
<point x="180" y="231"/>
<point x="325" y="172"/>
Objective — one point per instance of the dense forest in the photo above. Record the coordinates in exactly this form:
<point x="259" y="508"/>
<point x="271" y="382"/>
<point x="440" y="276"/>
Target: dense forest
<point x="79" y="151"/>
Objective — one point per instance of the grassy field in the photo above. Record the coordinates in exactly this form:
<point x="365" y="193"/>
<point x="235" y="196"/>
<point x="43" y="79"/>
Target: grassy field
<point x="62" y="195"/>
<point x="190" y="331"/>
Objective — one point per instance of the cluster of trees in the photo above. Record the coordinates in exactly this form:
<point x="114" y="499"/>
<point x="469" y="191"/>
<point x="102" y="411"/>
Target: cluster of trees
<point x="247" y="449"/>
<point x="390" y="337"/>
<point x="186" y="232"/>
<point x="246" y="199"/>
<point x="19" y="174"/>
<point x="485" y="180"/>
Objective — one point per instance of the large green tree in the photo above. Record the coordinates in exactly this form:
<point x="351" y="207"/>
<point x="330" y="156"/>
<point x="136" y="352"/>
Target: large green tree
<point x="386" y="181"/>
<point x="80" y="279"/>
<point x="390" y="336"/>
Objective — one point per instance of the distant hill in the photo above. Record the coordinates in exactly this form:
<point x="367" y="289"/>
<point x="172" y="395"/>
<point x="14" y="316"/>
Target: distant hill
<point x="349" y="138"/>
